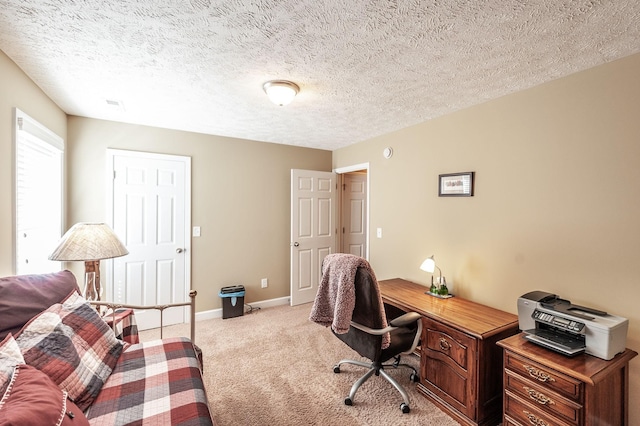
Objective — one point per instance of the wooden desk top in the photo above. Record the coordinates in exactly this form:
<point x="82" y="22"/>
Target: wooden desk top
<point x="472" y="318"/>
<point x="586" y="368"/>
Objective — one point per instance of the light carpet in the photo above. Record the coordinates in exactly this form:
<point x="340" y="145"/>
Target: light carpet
<point x="275" y="367"/>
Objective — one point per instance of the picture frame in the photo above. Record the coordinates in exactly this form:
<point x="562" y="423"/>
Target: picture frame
<point x="456" y="184"/>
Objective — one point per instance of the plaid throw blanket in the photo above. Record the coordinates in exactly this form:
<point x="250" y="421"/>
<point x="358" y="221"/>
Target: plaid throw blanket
<point x="154" y="383"/>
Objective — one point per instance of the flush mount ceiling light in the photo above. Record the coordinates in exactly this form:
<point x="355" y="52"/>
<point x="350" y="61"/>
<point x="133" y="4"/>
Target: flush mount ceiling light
<point x="281" y="92"/>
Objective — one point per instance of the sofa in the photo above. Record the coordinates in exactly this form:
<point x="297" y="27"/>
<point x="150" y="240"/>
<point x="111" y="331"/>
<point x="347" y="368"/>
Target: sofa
<point x="60" y="356"/>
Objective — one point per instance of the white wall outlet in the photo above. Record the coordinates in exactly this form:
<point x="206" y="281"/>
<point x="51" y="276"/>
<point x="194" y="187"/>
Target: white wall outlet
<point x="264" y="283"/>
<point x="196" y="231"/>
<point x="379" y="232"/>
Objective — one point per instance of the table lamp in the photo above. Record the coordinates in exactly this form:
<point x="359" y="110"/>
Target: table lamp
<point x="429" y="265"/>
<point x="89" y="242"/>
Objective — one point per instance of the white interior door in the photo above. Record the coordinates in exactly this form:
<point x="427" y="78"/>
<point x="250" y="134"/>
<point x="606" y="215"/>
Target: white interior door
<point x="313" y="230"/>
<point x="151" y="211"/>
<point x="354" y="214"/>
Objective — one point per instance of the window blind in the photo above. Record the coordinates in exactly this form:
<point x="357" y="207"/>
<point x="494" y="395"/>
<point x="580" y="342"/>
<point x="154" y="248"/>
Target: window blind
<point x="38" y="189"/>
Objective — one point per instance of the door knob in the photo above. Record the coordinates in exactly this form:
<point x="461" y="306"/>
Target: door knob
<point x="296" y="244"/>
<point x="179" y="250"/>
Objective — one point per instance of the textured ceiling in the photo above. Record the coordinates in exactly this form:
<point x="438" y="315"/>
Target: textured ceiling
<point x="365" y="68"/>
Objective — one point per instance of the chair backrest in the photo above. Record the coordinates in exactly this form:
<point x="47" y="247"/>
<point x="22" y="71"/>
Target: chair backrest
<point x="366" y="312"/>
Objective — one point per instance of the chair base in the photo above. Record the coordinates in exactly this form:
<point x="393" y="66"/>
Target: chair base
<point x="378" y="369"/>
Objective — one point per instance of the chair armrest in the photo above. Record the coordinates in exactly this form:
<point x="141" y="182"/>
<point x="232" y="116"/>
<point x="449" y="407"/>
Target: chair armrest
<point x="374" y="331"/>
<point x="406" y="319"/>
<point x="401" y="321"/>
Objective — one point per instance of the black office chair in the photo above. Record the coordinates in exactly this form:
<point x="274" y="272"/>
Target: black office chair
<point x="366" y="331"/>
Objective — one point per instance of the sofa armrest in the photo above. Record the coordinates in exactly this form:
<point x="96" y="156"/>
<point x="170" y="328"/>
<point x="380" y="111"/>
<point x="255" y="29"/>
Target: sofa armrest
<point x="123" y="323"/>
<point x="192" y="304"/>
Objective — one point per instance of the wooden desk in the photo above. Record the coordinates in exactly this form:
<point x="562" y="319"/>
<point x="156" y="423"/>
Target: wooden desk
<point x="460" y="363"/>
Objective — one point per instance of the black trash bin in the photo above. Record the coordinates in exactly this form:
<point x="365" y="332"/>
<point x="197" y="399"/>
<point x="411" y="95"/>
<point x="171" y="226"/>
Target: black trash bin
<point x="232" y="301"/>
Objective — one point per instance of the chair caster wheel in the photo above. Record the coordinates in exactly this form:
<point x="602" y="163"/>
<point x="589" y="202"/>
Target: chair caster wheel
<point x="414" y="378"/>
<point x="348" y="401"/>
<point x="336" y="369"/>
<point x="405" y="408"/>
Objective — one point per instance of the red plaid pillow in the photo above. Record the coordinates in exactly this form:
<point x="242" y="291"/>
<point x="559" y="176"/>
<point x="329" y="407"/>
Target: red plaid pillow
<point x="10" y="356"/>
<point x="72" y="345"/>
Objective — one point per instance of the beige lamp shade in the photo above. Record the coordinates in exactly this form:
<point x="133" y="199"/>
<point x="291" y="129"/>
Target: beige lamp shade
<point x="89" y="241"/>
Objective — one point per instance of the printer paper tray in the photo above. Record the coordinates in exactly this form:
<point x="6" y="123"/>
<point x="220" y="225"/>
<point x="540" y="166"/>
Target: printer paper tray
<point x="558" y="342"/>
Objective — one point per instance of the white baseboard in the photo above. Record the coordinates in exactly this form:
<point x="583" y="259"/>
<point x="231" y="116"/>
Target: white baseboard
<point x="217" y="313"/>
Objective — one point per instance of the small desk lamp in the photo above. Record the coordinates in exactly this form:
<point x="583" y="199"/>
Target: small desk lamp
<point x="89" y="242"/>
<point x="429" y="265"/>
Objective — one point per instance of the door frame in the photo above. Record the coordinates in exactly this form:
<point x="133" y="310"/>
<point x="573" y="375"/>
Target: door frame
<point x="107" y="265"/>
<point x="348" y="169"/>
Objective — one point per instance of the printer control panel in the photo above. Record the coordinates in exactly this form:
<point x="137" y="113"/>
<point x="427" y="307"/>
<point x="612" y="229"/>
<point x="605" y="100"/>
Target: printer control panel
<point x="558" y="321"/>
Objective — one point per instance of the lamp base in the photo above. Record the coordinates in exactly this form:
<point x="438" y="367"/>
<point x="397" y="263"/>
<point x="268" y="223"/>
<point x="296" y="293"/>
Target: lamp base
<point x="90" y="292"/>
<point x="92" y="289"/>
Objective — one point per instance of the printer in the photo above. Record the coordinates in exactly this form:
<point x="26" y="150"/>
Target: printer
<point x="559" y="325"/>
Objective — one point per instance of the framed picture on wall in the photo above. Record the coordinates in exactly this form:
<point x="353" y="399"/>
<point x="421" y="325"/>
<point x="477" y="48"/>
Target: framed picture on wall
<point x="456" y="184"/>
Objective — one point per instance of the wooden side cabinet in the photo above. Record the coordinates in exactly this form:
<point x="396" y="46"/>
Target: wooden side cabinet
<point x="542" y="387"/>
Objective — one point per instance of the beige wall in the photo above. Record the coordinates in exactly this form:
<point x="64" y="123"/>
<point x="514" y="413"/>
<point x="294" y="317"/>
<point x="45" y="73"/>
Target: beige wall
<point x="17" y="90"/>
<point x="240" y="199"/>
<point x="557" y="201"/>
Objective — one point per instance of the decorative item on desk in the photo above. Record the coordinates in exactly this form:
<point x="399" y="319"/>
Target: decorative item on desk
<point x="434" y="288"/>
<point x="439" y="288"/>
<point x="443" y="290"/>
<point x="89" y="242"/>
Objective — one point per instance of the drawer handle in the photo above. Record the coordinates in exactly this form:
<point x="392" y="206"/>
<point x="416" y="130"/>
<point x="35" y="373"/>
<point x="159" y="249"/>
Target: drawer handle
<point x="534" y="420"/>
<point x="444" y="345"/>
<point x="538" y="397"/>
<point x="541" y="376"/>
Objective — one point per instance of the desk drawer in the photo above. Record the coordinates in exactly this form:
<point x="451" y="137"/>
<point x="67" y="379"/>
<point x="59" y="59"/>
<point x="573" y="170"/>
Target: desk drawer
<point x="524" y="413"/>
<point x="448" y="365"/>
<point x="508" y="421"/>
<point x="451" y="343"/>
<point x="543" y="398"/>
<point x="551" y="379"/>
